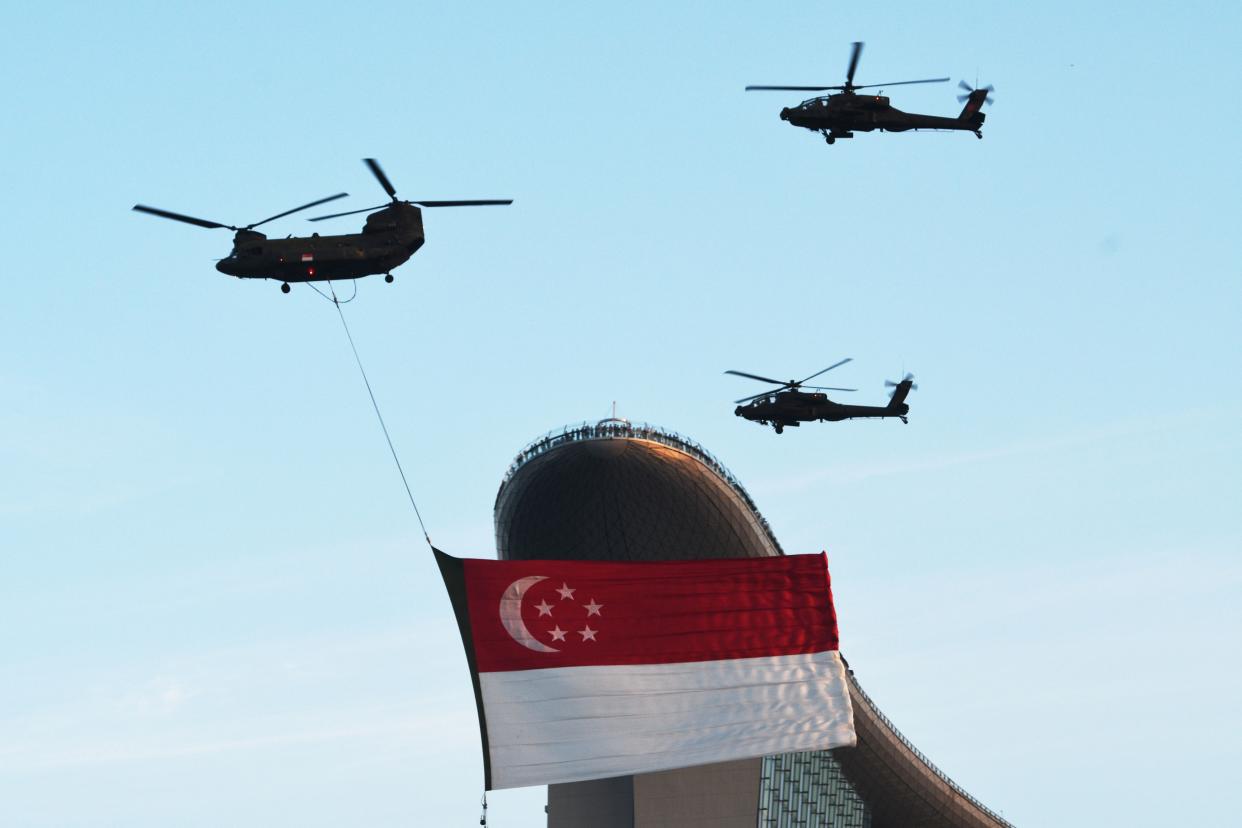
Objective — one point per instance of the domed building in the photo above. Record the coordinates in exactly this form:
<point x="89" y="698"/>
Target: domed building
<point x="616" y="491"/>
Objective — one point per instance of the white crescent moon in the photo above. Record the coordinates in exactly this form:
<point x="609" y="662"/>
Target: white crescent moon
<point x="511" y="614"/>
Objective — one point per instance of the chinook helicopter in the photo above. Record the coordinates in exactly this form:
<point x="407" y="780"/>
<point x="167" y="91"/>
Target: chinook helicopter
<point x="789" y="405"/>
<point x="392" y="234"/>
<point x="843" y="114"/>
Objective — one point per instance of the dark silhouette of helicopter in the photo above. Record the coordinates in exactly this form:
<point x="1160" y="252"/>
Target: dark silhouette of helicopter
<point x="788" y="405"/>
<point x="392" y="234"/>
<point x="843" y="114"/>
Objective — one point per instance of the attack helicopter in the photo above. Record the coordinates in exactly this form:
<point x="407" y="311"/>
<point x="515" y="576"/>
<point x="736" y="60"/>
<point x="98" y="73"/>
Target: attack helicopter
<point x="393" y="232"/>
<point x="789" y="405"/>
<point x="843" y="114"/>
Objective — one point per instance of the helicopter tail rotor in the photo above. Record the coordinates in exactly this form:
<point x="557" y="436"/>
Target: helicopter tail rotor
<point x="970" y="90"/>
<point x="907" y="381"/>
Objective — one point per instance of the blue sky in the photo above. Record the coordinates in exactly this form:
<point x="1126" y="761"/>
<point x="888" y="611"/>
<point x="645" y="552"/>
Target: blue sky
<point x="215" y="604"/>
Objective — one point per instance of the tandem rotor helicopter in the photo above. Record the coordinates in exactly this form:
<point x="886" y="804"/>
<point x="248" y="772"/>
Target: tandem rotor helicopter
<point x="843" y="114"/>
<point x="789" y="405"/>
<point x="393" y="232"/>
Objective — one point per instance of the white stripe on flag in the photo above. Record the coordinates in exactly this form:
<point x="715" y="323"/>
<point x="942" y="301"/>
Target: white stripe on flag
<point x="569" y="724"/>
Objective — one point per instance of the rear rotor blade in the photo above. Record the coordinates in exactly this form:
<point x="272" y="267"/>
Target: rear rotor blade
<point x="376" y="171"/>
<point x="964" y="85"/>
<point x="903" y="83"/>
<point x="854" y="55"/>
<point x="756" y="377"/>
<point x="826" y="370"/>
<point x="478" y="202"/>
<point x="298" y="209"/>
<point x="197" y="222"/>
<point x="350" y="213"/>
<point x="791" y="88"/>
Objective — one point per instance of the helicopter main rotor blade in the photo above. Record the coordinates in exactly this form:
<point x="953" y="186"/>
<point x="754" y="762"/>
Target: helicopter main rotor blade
<point x="826" y="370"/>
<point x="854" y="55"/>
<point x="478" y="202"/>
<point x="760" y="394"/>
<point x="350" y="213"/>
<point x="168" y="214"/>
<point x="791" y="88"/>
<point x="298" y="209"/>
<point x="828" y="388"/>
<point x="903" y="83"/>
<point x="757" y="377"/>
<point x="376" y="171"/>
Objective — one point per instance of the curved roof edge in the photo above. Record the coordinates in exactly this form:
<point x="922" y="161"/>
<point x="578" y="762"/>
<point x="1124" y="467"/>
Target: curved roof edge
<point x="616" y="429"/>
<point x="906" y="746"/>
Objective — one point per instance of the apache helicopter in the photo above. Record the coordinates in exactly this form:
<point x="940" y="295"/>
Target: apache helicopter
<point x="843" y="114"/>
<point x="391" y="235"/>
<point x="788" y="405"/>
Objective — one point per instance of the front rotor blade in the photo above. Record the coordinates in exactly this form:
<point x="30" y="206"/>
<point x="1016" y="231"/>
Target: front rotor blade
<point x="756" y="377"/>
<point x="791" y="88"/>
<point x="829" y="368"/>
<point x="854" y="55"/>
<point x="350" y="213"/>
<point x="197" y="222"/>
<point x="760" y="394"/>
<point x="903" y="83"/>
<point x="478" y="202"/>
<point x="379" y="174"/>
<point x="298" y="209"/>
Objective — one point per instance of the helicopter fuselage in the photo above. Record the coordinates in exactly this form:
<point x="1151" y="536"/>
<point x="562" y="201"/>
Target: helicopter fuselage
<point x="790" y="408"/>
<point x="840" y="115"/>
<point x="389" y="238"/>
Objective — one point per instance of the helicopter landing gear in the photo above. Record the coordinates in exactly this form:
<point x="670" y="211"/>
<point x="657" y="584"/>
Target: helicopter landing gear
<point x="780" y="428"/>
<point x="904" y="420"/>
<point x="831" y="139"/>
<point x="284" y="287"/>
<point x="388" y="278"/>
<point x="979" y="134"/>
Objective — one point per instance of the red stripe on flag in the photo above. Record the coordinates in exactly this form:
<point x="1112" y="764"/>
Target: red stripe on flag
<point x="528" y="615"/>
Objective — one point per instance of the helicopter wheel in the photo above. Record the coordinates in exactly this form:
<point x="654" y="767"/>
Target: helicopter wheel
<point x="830" y="140"/>
<point x="979" y="134"/>
<point x="388" y="278"/>
<point x="284" y="287"/>
<point x="904" y="420"/>
<point x="780" y="428"/>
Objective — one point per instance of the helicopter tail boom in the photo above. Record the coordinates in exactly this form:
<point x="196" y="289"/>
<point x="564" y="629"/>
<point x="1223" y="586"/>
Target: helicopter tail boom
<point x="900" y="390"/>
<point x="974" y="102"/>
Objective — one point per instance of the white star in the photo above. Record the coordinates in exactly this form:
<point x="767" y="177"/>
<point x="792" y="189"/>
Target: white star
<point x="557" y="633"/>
<point x="587" y="634"/>
<point x="593" y="608"/>
<point x="544" y="608"/>
<point x="565" y="591"/>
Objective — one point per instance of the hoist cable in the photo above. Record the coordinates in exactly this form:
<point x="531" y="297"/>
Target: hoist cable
<point x="378" y="415"/>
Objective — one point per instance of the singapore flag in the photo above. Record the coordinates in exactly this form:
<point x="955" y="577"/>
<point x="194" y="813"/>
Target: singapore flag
<point x="584" y="669"/>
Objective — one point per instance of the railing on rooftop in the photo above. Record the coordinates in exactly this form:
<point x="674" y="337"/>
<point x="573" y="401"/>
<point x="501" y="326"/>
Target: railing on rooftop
<point x="944" y="777"/>
<point x="617" y="429"/>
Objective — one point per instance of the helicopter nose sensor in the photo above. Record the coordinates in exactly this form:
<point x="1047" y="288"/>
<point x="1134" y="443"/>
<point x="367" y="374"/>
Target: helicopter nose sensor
<point x="785" y="114"/>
